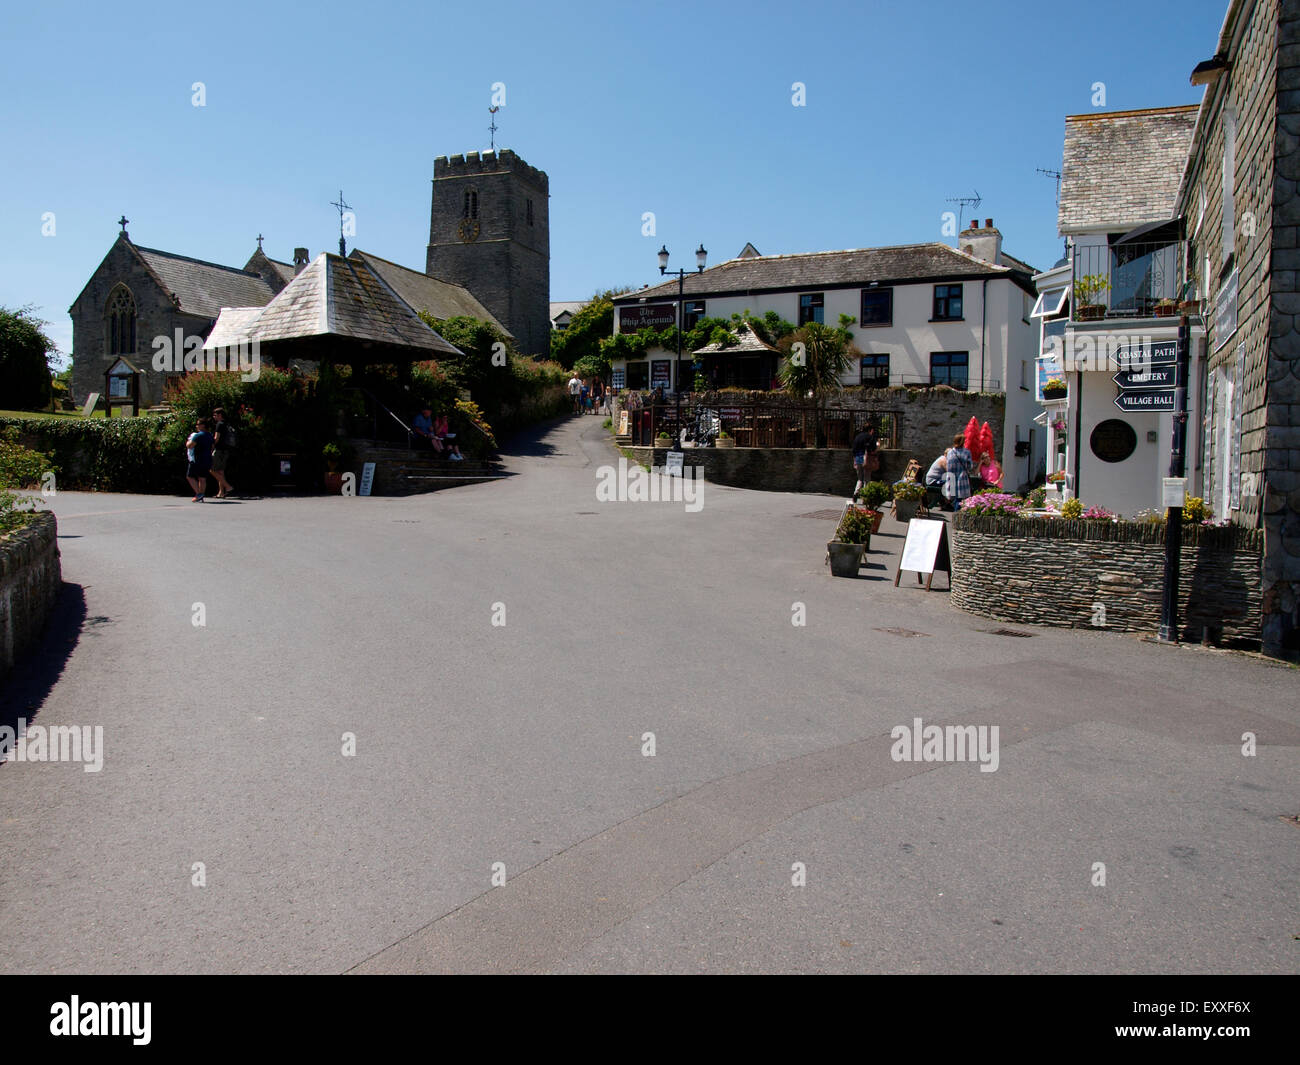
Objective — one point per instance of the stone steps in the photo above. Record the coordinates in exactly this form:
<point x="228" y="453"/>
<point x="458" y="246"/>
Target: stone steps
<point x="399" y="471"/>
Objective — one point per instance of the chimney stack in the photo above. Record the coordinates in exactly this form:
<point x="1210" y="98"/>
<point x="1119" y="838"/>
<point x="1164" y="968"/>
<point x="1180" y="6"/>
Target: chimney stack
<point x="983" y="243"/>
<point x="300" y="260"/>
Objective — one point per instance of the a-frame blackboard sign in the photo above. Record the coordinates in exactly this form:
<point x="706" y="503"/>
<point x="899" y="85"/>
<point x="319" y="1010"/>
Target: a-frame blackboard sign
<point x="925" y="551"/>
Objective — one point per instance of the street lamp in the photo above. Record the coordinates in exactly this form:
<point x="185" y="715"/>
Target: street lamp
<point x="701" y="257"/>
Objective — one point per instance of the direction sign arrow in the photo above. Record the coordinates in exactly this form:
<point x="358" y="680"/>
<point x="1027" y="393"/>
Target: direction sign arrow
<point x="1145" y="402"/>
<point x="1156" y="377"/>
<point x="1156" y="353"/>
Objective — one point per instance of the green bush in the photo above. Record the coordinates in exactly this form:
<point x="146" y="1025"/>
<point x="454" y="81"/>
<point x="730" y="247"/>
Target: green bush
<point x="20" y="467"/>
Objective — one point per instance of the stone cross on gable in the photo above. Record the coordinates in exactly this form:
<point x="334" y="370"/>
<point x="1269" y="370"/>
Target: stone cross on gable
<point x="260" y="238"/>
<point x="122" y="222"/>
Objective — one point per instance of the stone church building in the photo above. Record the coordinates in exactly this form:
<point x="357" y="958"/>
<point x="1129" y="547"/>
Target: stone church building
<point x="488" y="257"/>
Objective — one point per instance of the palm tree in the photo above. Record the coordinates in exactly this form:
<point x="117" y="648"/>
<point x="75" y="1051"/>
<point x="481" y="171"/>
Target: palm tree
<point x="814" y="369"/>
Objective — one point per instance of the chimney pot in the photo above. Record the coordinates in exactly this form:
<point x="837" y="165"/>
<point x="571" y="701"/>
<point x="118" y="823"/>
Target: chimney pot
<point x="988" y="223"/>
<point x="300" y="260"/>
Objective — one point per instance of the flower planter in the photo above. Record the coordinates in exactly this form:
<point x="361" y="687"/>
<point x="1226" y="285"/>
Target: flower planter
<point x="725" y="441"/>
<point x="1189" y="307"/>
<point x="876" y="518"/>
<point x="845" y="558"/>
<point x="664" y="442"/>
<point x="334" y="482"/>
<point x="1055" y="393"/>
<point x="1091" y="312"/>
<point x="905" y="509"/>
<point x="1166" y="311"/>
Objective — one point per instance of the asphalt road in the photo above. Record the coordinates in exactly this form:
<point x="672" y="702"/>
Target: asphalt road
<point x="522" y="743"/>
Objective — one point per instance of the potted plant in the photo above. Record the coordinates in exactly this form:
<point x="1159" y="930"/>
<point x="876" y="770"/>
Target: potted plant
<point x="874" y="495"/>
<point x="852" y="538"/>
<point x="1055" y="388"/>
<point x="907" y="497"/>
<point x="1189" y="307"/>
<point x="1085" y="289"/>
<point x="663" y="440"/>
<point x="725" y="439"/>
<point x="333" y="456"/>
<point x="1166" y="308"/>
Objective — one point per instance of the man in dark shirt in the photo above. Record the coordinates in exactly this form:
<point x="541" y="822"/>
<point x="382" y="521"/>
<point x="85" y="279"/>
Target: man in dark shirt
<point x="223" y="442"/>
<point x="864" y="454"/>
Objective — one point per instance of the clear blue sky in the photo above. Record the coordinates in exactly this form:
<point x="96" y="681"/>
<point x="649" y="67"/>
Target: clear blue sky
<point x="682" y="109"/>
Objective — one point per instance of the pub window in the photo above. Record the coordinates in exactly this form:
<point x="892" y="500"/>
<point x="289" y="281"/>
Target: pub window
<point x="949" y="368"/>
<point x="877" y="306"/>
<point x="121" y="322"/>
<point x="947" y="303"/>
<point x="875" y="371"/>
<point x="638" y="375"/>
<point x="471" y="203"/>
<point x="810" y="307"/>
<point x="692" y="313"/>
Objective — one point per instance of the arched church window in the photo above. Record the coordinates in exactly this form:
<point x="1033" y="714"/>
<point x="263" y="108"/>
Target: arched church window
<point x="471" y="203"/>
<point x="121" y="322"/>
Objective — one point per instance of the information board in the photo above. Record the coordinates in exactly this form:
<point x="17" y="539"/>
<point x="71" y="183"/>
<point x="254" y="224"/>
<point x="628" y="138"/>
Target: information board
<point x="925" y="551"/>
<point x="673" y="467"/>
<point x="367" y="478"/>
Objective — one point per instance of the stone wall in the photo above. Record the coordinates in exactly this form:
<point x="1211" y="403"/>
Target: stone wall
<point x="776" y="469"/>
<point x="30" y="579"/>
<point x="928" y="419"/>
<point x="1105" y="575"/>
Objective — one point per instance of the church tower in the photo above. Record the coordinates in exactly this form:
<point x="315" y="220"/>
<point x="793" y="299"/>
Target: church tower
<point x="489" y="230"/>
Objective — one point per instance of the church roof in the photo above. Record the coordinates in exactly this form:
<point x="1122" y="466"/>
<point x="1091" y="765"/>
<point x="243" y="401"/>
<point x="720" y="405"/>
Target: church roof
<point x="442" y="299"/>
<point x="332" y="297"/>
<point x="203" y="288"/>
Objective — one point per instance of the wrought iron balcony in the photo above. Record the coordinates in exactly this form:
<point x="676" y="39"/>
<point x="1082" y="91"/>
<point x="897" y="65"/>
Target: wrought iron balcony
<point x="1128" y="280"/>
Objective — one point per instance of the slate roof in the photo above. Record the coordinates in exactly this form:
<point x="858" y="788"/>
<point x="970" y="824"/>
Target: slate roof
<point x="285" y="270"/>
<point x="203" y="288"/>
<point x="442" y="299"/>
<point x="829" y="269"/>
<point x="333" y="297"/>
<point x="1123" y="168"/>
<point x="749" y="343"/>
<point x="572" y="306"/>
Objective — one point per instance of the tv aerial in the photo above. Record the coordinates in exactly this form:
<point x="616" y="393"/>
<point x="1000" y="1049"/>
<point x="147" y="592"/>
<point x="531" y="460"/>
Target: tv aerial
<point x="963" y="202"/>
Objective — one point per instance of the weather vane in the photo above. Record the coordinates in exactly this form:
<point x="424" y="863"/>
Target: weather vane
<point x="492" y="129"/>
<point x="342" y="205"/>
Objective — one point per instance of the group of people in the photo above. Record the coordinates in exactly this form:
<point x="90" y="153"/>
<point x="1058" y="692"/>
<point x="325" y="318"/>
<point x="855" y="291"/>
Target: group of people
<point x="207" y="452"/>
<point x="954" y="472"/>
<point x="588" y="396"/>
<point x="436" y="433"/>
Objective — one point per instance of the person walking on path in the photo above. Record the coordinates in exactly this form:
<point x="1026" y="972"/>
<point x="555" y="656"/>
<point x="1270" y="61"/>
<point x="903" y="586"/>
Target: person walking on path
<point x="198" y="449"/>
<point x="956" y="480"/>
<point x="575" y="392"/>
<point x="865" y="459"/>
<point x="223" y="442"/>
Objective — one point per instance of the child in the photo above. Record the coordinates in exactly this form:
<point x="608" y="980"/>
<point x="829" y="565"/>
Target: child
<point x="198" y="450"/>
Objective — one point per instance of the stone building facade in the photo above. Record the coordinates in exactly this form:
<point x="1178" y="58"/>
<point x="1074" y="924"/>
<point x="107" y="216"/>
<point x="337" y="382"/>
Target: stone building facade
<point x="489" y="230"/>
<point x="1239" y="197"/>
<point x="137" y="294"/>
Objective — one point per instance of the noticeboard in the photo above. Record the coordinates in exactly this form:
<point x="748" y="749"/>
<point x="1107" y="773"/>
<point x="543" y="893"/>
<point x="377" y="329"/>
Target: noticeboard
<point x="925" y="551"/>
<point x="367" y="478"/>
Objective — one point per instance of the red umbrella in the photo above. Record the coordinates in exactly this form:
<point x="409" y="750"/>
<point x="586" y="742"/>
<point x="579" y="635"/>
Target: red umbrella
<point x="972" y="436"/>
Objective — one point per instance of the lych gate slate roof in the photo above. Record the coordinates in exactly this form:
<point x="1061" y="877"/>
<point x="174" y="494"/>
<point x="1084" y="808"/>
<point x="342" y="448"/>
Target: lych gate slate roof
<point x="1123" y="168"/>
<point x="334" y="297"/>
<point x="442" y="299"/>
<point x="748" y="343"/>
<point x="203" y="288"/>
<point x="906" y="262"/>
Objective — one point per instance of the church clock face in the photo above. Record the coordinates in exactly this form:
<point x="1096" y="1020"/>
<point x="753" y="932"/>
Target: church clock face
<point x="468" y="230"/>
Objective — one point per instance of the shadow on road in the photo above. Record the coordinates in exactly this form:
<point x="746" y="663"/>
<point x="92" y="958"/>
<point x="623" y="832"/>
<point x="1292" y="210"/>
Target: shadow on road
<point x="34" y="677"/>
<point x="530" y="442"/>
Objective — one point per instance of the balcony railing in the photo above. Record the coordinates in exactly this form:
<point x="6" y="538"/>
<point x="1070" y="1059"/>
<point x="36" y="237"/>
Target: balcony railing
<point x="1134" y="278"/>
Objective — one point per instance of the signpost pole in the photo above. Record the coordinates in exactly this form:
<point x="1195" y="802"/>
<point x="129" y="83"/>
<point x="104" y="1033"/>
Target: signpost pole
<point x="1174" y="515"/>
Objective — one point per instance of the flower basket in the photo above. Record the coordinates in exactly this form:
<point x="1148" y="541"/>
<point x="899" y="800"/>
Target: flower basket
<point x="1093" y="312"/>
<point x="846" y="559"/>
<point x="725" y="441"/>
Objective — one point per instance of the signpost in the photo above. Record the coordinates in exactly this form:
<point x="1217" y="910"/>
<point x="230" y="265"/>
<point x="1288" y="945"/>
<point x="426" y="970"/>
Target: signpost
<point x="1156" y="377"/>
<point x="1146" y="402"/>
<point x="1174" y="516"/>
<point x="1141" y="357"/>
